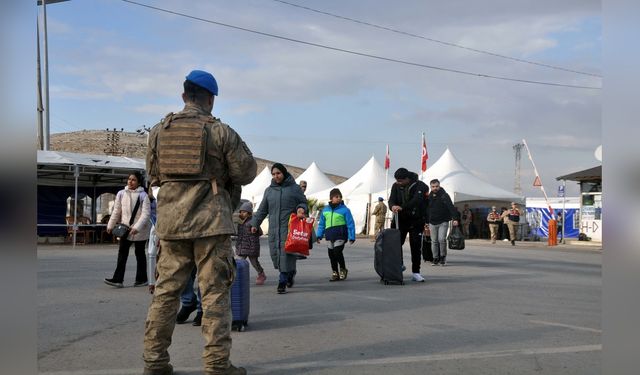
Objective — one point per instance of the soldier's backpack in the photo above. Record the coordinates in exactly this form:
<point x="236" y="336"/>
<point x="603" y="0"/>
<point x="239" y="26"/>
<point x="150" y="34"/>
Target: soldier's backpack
<point x="182" y="145"/>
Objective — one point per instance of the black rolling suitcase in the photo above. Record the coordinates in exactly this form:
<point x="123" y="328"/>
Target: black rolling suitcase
<point x="388" y="256"/>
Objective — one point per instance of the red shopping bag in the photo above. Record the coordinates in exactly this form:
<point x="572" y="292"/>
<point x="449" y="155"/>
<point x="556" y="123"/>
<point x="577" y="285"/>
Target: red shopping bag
<point x="299" y="235"/>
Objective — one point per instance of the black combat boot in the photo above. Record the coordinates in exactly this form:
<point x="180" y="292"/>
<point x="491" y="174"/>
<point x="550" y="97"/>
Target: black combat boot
<point x="184" y="313"/>
<point x="197" y="321"/>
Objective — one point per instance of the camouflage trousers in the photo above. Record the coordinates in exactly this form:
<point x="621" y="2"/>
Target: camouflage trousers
<point x="513" y="228"/>
<point x="493" y="229"/>
<point x="216" y="270"/>
<point x="379" y="227"/>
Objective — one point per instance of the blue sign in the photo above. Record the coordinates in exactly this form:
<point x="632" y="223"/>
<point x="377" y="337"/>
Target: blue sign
<point x="561" y="191"/>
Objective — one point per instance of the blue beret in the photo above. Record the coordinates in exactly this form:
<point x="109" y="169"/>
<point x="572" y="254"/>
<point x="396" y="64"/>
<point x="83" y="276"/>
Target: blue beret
<point x="380" y="199"/>
<point x="204" y="80"/>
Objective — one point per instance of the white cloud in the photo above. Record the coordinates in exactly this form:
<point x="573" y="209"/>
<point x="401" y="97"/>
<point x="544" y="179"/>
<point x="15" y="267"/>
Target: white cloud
<point x="154" y="109"/>
<point x="256" y="73"/>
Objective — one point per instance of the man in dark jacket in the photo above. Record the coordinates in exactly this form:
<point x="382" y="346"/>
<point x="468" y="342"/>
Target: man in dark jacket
<point x="440" y="211"/>
<point x="408" y="200"/>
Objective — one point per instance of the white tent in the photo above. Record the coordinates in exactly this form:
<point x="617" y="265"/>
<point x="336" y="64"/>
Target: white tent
<point x="254" y="191"/>
<point x="316" y="180"/>
<point x="462" y="185"/>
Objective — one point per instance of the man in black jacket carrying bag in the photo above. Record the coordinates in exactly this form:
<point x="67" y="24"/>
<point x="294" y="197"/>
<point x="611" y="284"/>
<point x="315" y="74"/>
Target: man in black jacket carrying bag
<point x="440" y="211"/>
<point x="408" y="200"/>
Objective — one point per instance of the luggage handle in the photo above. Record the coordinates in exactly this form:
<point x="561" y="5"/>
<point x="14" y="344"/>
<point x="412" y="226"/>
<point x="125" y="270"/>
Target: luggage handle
<point x="397" y="220"/>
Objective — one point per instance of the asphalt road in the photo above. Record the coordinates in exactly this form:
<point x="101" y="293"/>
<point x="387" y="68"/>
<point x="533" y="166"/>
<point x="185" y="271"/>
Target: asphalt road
<point x="494" y="309"/>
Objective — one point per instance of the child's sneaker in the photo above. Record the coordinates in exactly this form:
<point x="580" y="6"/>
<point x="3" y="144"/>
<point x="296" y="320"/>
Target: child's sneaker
<point x="334" y="276"/>
<point x="343" y="274"/>
<point x="261" y="278"/>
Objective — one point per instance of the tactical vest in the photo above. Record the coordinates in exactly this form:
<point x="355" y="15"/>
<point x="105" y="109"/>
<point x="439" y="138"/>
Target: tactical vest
<point x="514" y="215"/>
<point x="182" y="143"/>
<point x="494" y="215"/>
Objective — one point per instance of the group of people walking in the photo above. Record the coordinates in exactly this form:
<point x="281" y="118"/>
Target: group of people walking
<point x="508" y="217"/>
<point x="200" y="164"/>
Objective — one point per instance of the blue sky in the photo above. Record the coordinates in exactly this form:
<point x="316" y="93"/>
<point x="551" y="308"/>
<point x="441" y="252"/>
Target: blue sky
<point x="114" y="64"/>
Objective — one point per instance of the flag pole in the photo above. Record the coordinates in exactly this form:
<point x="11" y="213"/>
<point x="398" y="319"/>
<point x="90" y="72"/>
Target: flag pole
<point x="387" y="164"/>
<point x="422" y="157"/>
<point x="386" y="173"/>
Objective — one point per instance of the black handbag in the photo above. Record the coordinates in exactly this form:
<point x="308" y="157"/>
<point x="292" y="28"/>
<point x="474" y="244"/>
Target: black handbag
<point x="121" y="230"/>
<point x="456" y="239"/>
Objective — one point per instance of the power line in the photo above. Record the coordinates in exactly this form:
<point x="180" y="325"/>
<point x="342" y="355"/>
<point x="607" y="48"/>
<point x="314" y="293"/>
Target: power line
<point x="481" y="75"/>
<point x="438" y="41"/>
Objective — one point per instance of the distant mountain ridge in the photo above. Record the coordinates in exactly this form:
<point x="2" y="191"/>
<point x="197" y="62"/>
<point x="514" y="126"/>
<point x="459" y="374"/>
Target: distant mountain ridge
<point x="134" y="145"/>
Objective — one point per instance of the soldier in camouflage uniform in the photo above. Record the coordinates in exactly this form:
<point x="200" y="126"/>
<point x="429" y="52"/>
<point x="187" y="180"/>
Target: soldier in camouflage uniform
<point x="380" y="212"/>
<point x="200" y="164"/>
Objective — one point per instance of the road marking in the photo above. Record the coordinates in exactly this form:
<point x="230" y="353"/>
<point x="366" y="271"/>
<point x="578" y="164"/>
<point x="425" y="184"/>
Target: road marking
<point x="261" y="368"/>
<point x="566" y="326"/>
<point x="362" y="296"/>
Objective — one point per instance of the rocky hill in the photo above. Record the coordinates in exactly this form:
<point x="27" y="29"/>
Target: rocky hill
<point x="131" y="145"/>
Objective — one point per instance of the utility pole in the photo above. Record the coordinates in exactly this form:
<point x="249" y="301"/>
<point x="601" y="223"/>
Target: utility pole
<point x="47" y="110"/>
<point x="517" y="148"/>
<point x="45" y="131"/>
<point x="40" y="107"/>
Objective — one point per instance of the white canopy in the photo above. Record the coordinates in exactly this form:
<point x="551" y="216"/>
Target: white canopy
<point x="369" y="179"/>
<point x="462" y="185"/>
<point x="57" y="168"/>
<point x="316" y="179"/>
<point x="254" y="191"/>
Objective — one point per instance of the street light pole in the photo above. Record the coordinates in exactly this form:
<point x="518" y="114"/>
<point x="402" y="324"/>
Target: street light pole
<point x="40" y="108"/>
<point x="45" y="132"/>
<point x="47" y="110"/>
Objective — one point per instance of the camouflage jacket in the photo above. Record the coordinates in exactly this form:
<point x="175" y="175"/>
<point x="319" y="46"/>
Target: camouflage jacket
<point x="193" y="209"/>
<point x="380" y="211"/>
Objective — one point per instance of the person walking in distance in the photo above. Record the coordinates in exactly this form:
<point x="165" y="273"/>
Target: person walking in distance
<point x="200" y="163"/>
<point x="380" y="212"/>
<point x="511" y="217"/>
<point x="494" y="221"/>
<point x="467" y="218"/>
<point x="132" y="207"/>
<point x="440" y="210"/>
<point x="407" y="199"/>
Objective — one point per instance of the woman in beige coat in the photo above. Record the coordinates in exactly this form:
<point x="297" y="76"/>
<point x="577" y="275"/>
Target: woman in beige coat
<point x="138" y="234"/>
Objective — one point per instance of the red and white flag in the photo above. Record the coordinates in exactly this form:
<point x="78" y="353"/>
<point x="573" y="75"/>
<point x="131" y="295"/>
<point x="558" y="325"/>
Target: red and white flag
<point x="387" y="160"/>
<point x="425" y="155"/>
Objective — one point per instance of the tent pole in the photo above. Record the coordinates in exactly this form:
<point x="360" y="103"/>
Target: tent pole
<point x="369" y="216"/>
<point x="76" y="173"/>
<point x="94" y="205"/>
